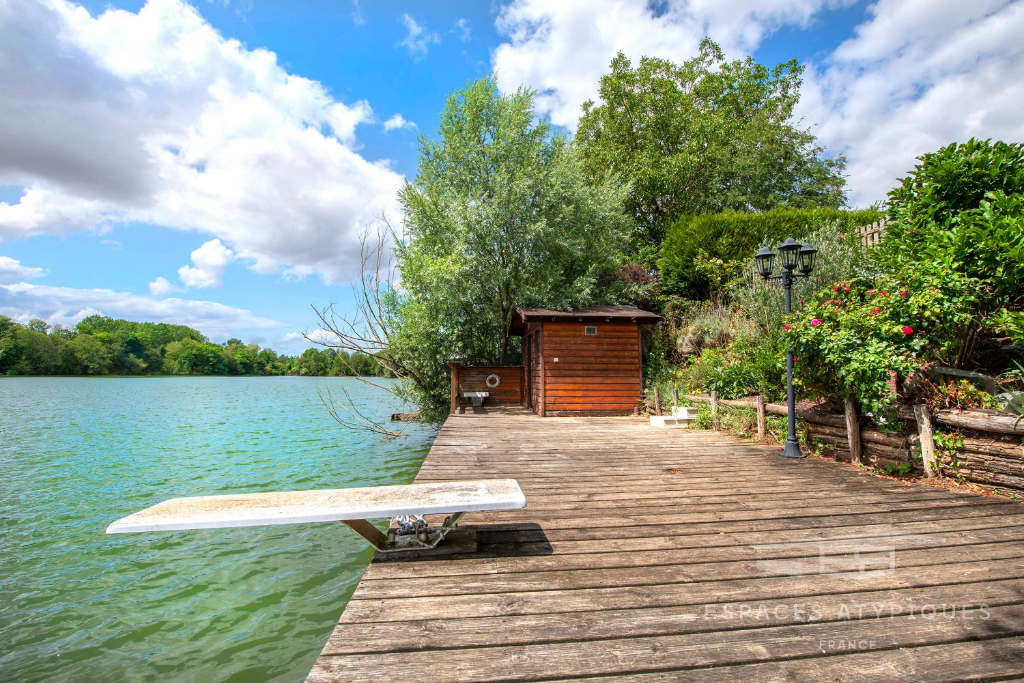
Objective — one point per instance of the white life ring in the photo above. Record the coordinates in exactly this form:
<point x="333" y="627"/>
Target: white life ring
<point x="497" y="381"/>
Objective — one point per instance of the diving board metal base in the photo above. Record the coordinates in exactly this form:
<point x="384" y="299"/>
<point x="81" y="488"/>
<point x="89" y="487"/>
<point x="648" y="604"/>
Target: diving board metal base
<point x="458" y="542"/>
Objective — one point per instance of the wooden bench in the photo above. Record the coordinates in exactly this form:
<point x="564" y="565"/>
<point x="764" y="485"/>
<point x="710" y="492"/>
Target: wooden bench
<point x="477" y="397"/>
<point x="354" y="506"/>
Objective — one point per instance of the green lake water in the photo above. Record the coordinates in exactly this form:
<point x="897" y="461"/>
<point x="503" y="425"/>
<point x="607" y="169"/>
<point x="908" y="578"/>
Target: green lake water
<point x="252" y="604"/>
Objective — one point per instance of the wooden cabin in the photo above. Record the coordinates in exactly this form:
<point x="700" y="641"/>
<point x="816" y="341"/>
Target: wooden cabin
<point x="585" y="362"/>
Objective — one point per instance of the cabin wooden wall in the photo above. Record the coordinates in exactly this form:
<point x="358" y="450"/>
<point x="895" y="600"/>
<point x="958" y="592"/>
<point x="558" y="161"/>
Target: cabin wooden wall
<point x="508" y="391"/>
<point x="594" y="374"/>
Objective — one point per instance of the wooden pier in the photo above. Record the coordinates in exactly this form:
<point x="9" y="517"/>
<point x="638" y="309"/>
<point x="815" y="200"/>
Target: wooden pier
<point x="672" y="555"/>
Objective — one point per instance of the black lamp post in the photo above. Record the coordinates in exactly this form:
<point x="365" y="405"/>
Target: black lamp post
<point x="794" y="256"/>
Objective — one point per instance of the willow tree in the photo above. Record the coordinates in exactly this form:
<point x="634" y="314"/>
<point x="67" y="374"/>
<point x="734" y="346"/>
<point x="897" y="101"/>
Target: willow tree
<point x="501" y="214"/>
<point x="702" y="137"/>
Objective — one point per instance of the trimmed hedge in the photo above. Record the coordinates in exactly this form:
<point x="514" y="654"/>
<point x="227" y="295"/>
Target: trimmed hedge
<point x="734" y="236"/>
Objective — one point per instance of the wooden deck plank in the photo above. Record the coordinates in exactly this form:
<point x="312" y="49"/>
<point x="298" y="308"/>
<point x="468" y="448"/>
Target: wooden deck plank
<point x="640" y="549"/>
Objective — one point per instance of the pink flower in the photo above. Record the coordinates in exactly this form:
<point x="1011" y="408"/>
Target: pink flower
<point x="903" y="293"/>
<point x="842" y="237"/>
<point x="872" y="292"/>
<point x="846" y="288"/>
<point x="815" y="322"/>
<point x="837" y="288"/>
<point x="876" y="310"/>
<point x="785" y="327"/>
<point x="908" y="330"/>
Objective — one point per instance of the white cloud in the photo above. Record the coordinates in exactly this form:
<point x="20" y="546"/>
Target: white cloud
<point x="418" y="40"/>
<point x="563" y="49"/>
<point x="155" y="117"/>
<point x="67" y="305"/>
<point x="209" y="262"/>
<point x="357" y="16"/>
<point x="398" y="122"/>
<point x="464" y="30"/>
<point x="916" y="75"/>
<point x="12" y="271"/>
<point x="161" y="287"/>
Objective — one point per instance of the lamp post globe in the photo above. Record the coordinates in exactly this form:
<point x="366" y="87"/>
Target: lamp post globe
<point x="789" y="253"/>
<point x="807" y="253"/>
<point x="765" y="260"/>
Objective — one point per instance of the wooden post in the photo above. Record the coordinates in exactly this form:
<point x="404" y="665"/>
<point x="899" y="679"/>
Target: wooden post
<point x="675" y="400"/>
<point x="762" y="430"/>
<point x="852" y="429"/>
<point x="657" y="402"/>
<point x="455" y="386"/>
<point x="714" y="404"/>
<point x="924" y="430"/>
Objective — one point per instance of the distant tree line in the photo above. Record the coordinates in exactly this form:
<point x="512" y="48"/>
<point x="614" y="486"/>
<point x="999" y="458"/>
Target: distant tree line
<point x="99" y="345"/>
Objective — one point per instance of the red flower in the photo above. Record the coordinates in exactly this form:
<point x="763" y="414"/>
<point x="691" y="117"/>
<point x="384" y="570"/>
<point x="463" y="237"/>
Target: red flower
<point x="786" y="327"/>
<point x="876" y="310"/>
<point x="908" y="330"/>
<point x="885" y="293"/>
<point x="815" y="322"/>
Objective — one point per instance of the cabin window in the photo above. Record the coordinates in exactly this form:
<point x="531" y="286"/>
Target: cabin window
<point x="589" y="330"/>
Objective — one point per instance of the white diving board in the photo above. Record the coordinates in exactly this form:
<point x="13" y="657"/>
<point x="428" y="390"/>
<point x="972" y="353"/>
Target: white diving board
<point x="352" y="506"/>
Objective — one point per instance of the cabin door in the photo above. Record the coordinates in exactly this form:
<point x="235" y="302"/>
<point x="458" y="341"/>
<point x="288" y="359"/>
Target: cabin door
<point x="533" y="373"/>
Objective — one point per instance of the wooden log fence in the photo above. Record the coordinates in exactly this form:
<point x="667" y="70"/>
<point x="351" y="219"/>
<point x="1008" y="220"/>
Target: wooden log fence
<point x="852" y="429"/>
<point x="762" y="427"/>
<point x="997" y="461"/>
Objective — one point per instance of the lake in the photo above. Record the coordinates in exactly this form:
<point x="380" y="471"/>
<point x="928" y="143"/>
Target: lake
<point x="253" y="604"/>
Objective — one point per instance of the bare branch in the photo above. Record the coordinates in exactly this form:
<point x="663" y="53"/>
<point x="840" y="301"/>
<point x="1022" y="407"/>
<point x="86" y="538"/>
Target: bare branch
<point x="367" y="329"/>
<point x="353" y="418"/>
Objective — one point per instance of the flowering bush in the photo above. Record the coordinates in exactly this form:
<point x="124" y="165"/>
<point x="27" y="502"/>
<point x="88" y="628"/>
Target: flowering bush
<point x="854" y="345"/>
<point x="962" y="211"/>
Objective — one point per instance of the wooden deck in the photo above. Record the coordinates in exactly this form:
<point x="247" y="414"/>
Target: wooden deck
<point x="650" y="555"/>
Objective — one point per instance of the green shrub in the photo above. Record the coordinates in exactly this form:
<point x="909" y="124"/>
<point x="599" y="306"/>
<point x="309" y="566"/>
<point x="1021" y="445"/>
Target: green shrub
<point x="733" y="238"/>
<point x="703" y="417"/>
<point x="748" y="366"/>
<point x="961" y="211"/>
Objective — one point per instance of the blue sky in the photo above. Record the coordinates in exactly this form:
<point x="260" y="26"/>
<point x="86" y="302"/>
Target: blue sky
<point x="142" y="144"/>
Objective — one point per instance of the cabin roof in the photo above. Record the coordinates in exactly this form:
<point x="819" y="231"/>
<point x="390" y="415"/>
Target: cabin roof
<point x="624" y="314"/>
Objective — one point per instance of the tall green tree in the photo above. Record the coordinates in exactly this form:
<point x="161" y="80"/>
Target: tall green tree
<point x="705" y="136"/>
<point x="501" y="214"/>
